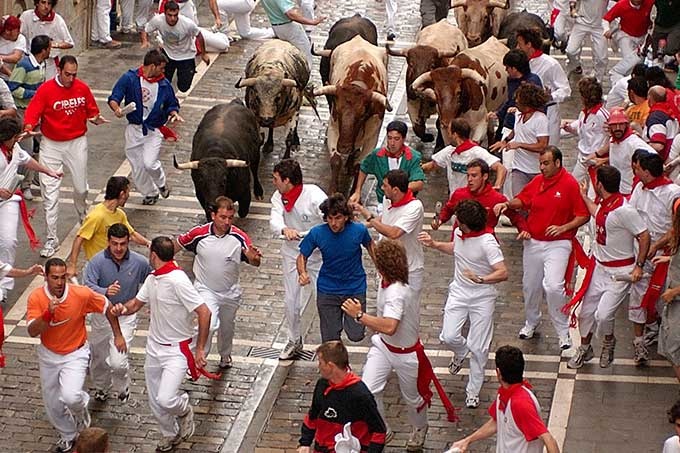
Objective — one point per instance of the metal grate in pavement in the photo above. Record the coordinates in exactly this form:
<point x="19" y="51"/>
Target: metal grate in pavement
<point x="271" y="353"/>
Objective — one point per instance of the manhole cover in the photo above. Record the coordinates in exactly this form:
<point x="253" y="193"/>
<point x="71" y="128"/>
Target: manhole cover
<point x="271" y="353"/>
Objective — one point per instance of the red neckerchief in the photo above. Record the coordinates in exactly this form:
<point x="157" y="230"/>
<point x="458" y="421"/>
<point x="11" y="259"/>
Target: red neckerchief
<point x="626" y="134"/>
<point x="549" y="182"/>
<point x="408" y="197"/>
<point x="140" y="73"/>
<point x="466" y="145"/>
<point x="384" y="283"/>
<point x="504" y="394"/>
<point x="536" y="54"/>
<point x="7" y="153"/>
<point x="591" y="111"/>
<point x="349" y="379"/>
<point x="523" y="116"/>
<point x="666" y="108"/>
<point x="472" y="234"/>
<point x="614" y="201"/>
<point x="657" y="182"/>
<point x="289" y="198"/>
<point x="166" y="268"/>
<point x="405" y="151"/>
<point x="49" y="18"/>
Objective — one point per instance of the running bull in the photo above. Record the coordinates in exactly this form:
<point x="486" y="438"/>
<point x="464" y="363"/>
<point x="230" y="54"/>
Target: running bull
<point x="480" y="19"/>
<point x="225" y="152"/>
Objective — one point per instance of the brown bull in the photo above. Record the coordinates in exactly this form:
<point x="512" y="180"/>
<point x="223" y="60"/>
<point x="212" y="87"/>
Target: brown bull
<point x="480" y="19"/>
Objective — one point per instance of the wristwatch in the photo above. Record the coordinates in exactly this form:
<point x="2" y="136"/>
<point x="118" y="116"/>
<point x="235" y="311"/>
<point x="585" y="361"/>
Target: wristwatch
<point x="640" y="264"/>
<point x="358" y="317"/>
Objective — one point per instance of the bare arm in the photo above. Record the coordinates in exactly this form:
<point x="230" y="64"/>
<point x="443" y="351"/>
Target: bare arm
<point x="253" y="256"/>
<point x="356" y="196"/>
<point x="36" y="269"/>
<point x="501" y="174"/>
<point x="416" y="186"/>
<point x="215" y="10"/>
<point x="39" y="325"/>
<point x="139" y="239"/>
<point x="203" y="313"/>
<point x="499" y="273"/>
<point x="388" y="231"/>
<point x="427" y="241"/>
<point x="550" y="443"/>
<point x="485" y="431"/>
<point x="537" y="147"/>
<point x="388" y="326"/>
<point x="556" y="230"/>
<point x="73" y="256"/>
<point x="370" y="248"/>
<point x="37" y="166"/>
<point x="301" y="265"/>
<point x="429" y="166"/>
<point x="118" y="339"/>
<point x="295" y="15"/>
<point x="130" y="307"/>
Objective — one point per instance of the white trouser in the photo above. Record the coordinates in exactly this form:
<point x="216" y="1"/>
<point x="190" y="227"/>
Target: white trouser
<point x="602" y="299"/>
<point x="214" y="41"/>
<point x="545" y="263"/>
<point x="108" y="367"/>
<point x="295" y="34"/>
<point x="297" y="297"/>
<point x="599" y="43"/>
<point x="241" y="10"/>
<point x="636" y="313"/>
<point x="580" y="171"/>
<point x="379" y="364"/>
<point x="188" y="10"/>
<point x="307" y="8"/>
<point x="127" y="11"/>
<point x="143" y="13"/>
<point x="563" y="24"/>
<point x="101" y="21"/>
<point x="554" y="121"/>
<point x="142" y="152"/>
<point x="480" y="313"/>
<point x="222" y="320"/>
<point x="54" y="155"/>
<point x="390" y="13"/>
<point x="165" y="368"/>
<point x="61" y="379"/>
<point x="508" y="158"/>
<point x="628" y="46"/>
<point x="9" y="221"/>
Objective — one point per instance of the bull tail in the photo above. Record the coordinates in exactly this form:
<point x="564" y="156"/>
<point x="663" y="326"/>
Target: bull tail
<point x="308" y="94"/>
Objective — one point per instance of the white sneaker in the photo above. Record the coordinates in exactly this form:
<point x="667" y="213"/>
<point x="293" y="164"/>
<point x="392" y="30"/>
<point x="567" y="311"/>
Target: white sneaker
<point x="565" y="342"/>
<point x="226" y="362"/>
<point x="27" y="194"/>
<point x="583" y="354"/>
<point x="292" y="348"/>
<point x="641" y="354"/>
<point x="471" y="401"/>
<point x="651" y="335"/>
<point x="416" y="440"/>
<point x="50" y="248"/>
<point x="64" y="445"/>
<point x="456" y="364"/>
<point x="526" y="332"/>
<point x="101" y="395"/>
<point x="83" y="420"/>
<point x="168" y="443"/>
<point x="186" y="424"/>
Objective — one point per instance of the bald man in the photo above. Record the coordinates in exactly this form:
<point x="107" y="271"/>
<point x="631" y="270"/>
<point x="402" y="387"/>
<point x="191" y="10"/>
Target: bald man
<point x="662" y="123"/>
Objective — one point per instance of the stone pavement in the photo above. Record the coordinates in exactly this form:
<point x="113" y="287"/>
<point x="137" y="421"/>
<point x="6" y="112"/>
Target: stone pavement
<point x="259" y="404"/>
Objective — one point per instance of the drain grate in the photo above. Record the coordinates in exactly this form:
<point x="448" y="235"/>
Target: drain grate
<point x="271" y="353"/>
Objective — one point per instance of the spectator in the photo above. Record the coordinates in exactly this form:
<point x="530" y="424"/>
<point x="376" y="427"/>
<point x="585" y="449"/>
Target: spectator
<point x="672" y="444"/>
<point x="639" y="111"/>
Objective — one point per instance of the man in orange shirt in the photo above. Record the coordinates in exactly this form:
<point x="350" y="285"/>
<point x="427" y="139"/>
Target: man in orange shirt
<point x="56" y="312"/>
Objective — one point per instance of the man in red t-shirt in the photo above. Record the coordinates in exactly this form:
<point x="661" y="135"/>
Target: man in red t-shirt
<point x="629" y="32"/>
<point x="62" y="107"/>
<point x="556" y="211"/>
<point x="520" y="429"/>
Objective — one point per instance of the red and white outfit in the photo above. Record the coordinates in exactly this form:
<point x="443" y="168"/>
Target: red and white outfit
<point x="617" y="225"/>
<point x="478" y="252"/>
<point x="62" y="114"/>
<point x="519" y="427"/>
<point x="9" y="211"/>
<point x="620" y="155"/>
<point x="408" y="215"/>
<point x="525" y="163"/>
<point x="172" y="300"/>
<point x="299" y="212"/>
<point x="397" y="301"/>
<point x="64" y="354"/>
<point x="555" y="80"/>
<point x="589" y="126"/>
<point x="52" y="25"/>
<point x="654" y="203"/>
<point x="216" y="268"/>
<point x="456" y="159"/>
<point x="661" y="127"/>
<point x="550" y="201"/>
<point x="588" y="22"/>
<point x="630" y="34"/>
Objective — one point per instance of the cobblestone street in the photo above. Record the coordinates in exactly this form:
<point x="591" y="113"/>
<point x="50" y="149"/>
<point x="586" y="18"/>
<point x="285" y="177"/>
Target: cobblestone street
<point x="259" y="404"/>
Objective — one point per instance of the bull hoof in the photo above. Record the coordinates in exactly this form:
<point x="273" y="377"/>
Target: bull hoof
<point x="427" y="138"/>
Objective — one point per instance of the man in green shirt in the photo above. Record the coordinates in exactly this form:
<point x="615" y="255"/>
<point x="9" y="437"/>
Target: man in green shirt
<point x="396" y="155"/>
<point x="667" y="28"/>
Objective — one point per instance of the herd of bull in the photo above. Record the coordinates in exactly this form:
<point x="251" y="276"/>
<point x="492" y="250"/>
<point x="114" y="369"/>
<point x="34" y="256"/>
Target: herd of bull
<point x="444" y="76"/>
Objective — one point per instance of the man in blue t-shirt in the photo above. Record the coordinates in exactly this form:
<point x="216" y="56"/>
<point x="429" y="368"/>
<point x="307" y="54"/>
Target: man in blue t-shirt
<point x="342" y="274"/>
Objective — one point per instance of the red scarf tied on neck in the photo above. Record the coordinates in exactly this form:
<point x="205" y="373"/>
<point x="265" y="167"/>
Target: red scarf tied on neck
<point x="49" y="18"/>
<point x="626" y="134"/>
<point x="504" y="394"/>
<point x="536" y="54"/>
<point x="349" y="379"/>
<point x="657" y="182"/>
<point x="472" y="234"/>
<point x="466" y="145"/>
<point x="24" y="212"/>
<point x="166" y="268"/>
<point x="289" y="198"/>
<point x="408" y="197"/>
<point x="158" y="78"/>
<point x="608" y="205"/>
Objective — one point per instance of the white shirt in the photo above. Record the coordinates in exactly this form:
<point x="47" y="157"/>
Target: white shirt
<point x="621" y="227"/>
<point x="397" y="301"/>
<point x="7" y="47"/>
<point x="655" y="207"/>
<point x="456" y="163"/>
<point x="31" y="26"/>
<point x="672" y="445"/>
<point x="673" y="154"/>
<point x="552" y="77"/>
<point x="478" y="254"/>
<point x="509" y="438"/>
<point x="590" y="131"/>
<point x="304" y="215"/>
<point x="4" y="269"/>
<point x="590" y="13"/>
<point x="172" y="300"/>
<point x="8" y="170"/>
<point x="179" y="40"/>
<point x="620" y="155"/>
<point x="409" y="219"/>
<point x="149" y="95"/>
<point x="618" y="95"/>
<point x="528" y="132"/>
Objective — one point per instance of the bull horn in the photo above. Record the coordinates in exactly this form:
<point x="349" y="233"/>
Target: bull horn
<point x="236" y="163"/>
<point x="328" y="90"/>
<point x="472" y="74"/>
<point x="498" y="4"/>
<point x="242" y="83"/>
<point x="322" y="53"/>
<point x="396" y="52"/>
<point x="192" y="165"/>
<point x="422" y="79"/>
<point x="447" y="53"/>
<point x="290" y="83"/>
<point x="382" y="99"/>
<point x="458" y="3"/>
<point x="430" y="94"/>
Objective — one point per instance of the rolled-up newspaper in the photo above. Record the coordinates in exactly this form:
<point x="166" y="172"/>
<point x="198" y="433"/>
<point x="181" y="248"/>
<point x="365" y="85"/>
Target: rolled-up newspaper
<point x="301" y="234"/>
<point x="626" y="277"/>
<point x="12" y="186"/>
<point x="129" y="108"/>
<point x="437" y="210"/>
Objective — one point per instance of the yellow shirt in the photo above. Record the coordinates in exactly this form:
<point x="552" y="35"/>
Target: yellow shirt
<point x="96" y="225"/>
<point x="638" y="113"/>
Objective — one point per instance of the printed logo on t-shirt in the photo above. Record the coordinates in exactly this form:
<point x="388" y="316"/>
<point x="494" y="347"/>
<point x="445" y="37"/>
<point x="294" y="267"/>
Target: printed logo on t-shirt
<point x="330" y="413"/>
<point x="459" y="167"/>
<point x="58" y="323"/>
<point x="69" y="106"/>
<point x="558" y="195"/>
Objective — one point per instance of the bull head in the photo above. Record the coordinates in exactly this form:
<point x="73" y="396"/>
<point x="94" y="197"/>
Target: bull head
<point x="419" y="87"/>
<point x="475" y="18"/>
<point x="193" y="165"/>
